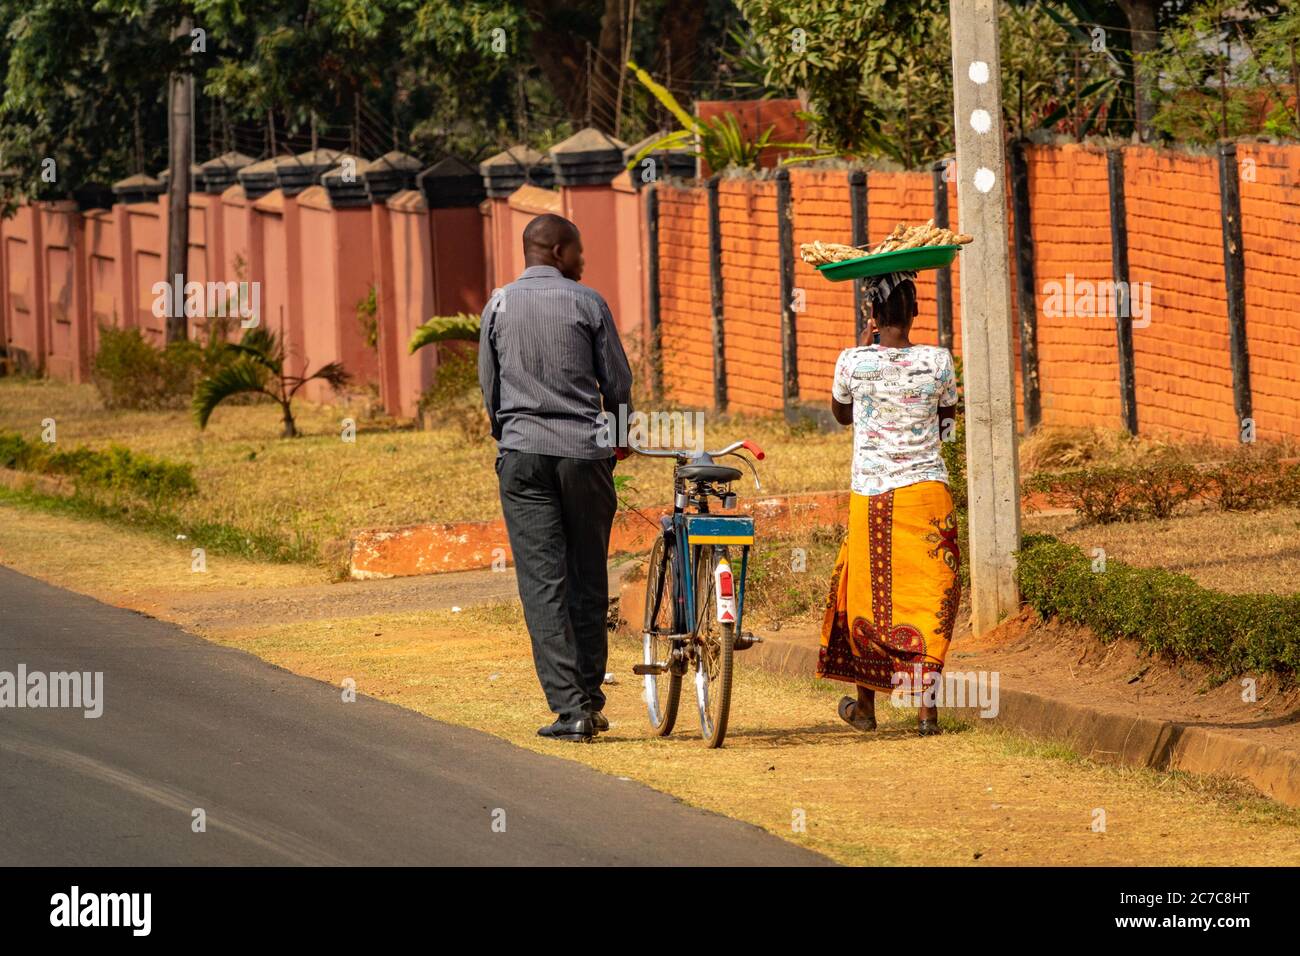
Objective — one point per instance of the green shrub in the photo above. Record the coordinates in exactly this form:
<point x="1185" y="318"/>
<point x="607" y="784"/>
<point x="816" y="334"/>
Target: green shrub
<point x="1100" y="495"/>
<point x="116" y="470"/>
<point x="954" y="459"/>
<point x="130" y="372"/>
<point x="1248" y="481"/>
<point x="1165" y="612"/>
<point x="1107" y="494"/>
<point x="454" y="398"/>
<point x="1165" y="485"/>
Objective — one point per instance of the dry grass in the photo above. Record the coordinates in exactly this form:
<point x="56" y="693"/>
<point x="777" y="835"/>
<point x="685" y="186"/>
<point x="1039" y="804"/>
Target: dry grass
<point x="887" y="798"/>
<point x="120" y="565"/>
<point x="969" y="797"/>
<point x="319" y="489"/>
<point x="1241" y="553"/>
<point x="1056" y="449"/>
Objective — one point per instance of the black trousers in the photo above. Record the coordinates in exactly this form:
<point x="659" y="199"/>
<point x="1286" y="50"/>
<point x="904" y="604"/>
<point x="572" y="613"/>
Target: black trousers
<point x="558" y="513"/>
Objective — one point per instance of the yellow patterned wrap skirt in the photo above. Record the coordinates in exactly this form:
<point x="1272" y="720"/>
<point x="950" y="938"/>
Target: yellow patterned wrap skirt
<point x="895" y="590"/>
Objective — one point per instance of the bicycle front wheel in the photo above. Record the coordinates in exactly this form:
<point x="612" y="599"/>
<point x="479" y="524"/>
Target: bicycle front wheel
<point x="715" y="643"/>
<point x="663" y="689"/>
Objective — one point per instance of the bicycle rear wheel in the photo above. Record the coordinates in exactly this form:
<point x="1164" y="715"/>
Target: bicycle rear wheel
<point x="663" y="690"/>
<point x="715" y="643"/>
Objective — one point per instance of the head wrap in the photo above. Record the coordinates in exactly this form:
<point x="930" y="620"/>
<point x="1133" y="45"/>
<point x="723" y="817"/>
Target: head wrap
<point x="879" y="288"/>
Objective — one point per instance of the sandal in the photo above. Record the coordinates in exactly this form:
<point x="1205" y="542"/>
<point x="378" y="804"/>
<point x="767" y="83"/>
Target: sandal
<point x="928" y="726"/>
<point x="848" y="710"/>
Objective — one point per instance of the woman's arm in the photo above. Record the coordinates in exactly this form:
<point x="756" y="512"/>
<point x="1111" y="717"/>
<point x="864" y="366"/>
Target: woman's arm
<point x="843" y="411"/>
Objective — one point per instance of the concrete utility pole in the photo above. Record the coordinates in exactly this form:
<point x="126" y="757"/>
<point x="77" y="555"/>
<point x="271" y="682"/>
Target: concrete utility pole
<point x="991" y="446"/>
<point x="180" y="147"/>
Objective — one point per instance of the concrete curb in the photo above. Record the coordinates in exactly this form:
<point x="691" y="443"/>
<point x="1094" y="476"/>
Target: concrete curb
<point x="1107" y="736"/>
<point x="1097" y="733"/>
<point x="468" y="545"/>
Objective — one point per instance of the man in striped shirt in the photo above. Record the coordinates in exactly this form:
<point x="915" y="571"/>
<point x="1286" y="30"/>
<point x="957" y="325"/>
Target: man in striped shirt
<point x="550" y="361"/>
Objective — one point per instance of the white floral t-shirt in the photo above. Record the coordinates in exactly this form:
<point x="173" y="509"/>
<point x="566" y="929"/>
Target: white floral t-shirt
<point x="896" y="396"/>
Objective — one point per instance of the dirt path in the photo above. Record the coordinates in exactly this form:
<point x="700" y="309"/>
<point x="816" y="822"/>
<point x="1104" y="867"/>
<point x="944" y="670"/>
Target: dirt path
<point x="970" y="797"/>
<point x="156" y="578"/>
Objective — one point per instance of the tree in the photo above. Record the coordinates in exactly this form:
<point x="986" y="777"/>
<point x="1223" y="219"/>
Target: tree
<point x="461" y="327"/>
<point x="258" y="368"/>
<point x="878" y="75"/>
<point x="1206" y="75"/>
<point x="1144" y="38"/>
<point x="78" y="80"/>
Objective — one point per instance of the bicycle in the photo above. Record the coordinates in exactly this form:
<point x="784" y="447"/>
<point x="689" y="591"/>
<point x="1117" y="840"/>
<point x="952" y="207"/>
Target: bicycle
<point x="694" y="600"/>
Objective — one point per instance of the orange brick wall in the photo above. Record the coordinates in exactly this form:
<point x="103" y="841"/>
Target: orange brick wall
<point x="1270" y="218"/>
<point x="684" y="313"/>
<point x="1078" y="359"/>
<point x="1181" y="361"/>
<point x="751" y="293"/>
<point x="819" y="202"/>
<point x="907" y="197"/>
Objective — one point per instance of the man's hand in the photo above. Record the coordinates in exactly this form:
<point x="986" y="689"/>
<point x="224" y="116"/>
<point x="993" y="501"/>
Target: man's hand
<point x="621" y="452"/>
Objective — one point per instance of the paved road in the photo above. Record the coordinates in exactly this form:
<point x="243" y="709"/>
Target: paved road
<point x="288" y="773"/>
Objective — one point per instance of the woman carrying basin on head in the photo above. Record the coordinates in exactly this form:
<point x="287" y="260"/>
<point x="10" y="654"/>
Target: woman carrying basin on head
<point x="895" y="589"/>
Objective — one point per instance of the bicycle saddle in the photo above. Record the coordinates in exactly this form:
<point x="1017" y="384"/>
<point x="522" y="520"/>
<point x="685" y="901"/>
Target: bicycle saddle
<point x="709" y="472"/>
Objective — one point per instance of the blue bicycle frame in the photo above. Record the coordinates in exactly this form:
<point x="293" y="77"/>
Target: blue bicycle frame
<point x="687" y="535"/>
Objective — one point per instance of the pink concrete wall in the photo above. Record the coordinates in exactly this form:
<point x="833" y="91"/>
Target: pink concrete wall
<point x="236" y="227"/>
<point x="278" y="269"/>
<point x="412" y="291"/>
<point x="25" y="300"/>
<point x="108" y="289"/>
<point x="629" y="219"/>
<point x="66" y="327"/>
<point x="148" y="232"/>
<point x="593" y="210"/>
<point x="335" y="255"/>
<point x="63" y="274"/>
<point x="460" y="268"/>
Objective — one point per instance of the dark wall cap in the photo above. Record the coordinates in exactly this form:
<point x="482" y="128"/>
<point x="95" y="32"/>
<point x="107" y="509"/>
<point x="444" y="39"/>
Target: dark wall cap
<point x="513" y="167"/>
<point x="587" y="158"/>
<point x="450" y="183"/>
<point x="138" y="188"/>
<point x="296" y="173"/>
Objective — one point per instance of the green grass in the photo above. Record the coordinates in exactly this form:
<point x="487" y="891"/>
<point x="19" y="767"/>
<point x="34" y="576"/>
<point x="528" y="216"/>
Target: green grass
<point x="314" y="491"/>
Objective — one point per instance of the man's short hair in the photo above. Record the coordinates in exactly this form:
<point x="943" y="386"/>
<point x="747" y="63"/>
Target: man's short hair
<point x="548" y="231"/>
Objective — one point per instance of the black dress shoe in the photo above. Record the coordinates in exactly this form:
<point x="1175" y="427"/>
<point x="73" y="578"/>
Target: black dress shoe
<point x="599" y="722"/>
<point x="579" y="731"/>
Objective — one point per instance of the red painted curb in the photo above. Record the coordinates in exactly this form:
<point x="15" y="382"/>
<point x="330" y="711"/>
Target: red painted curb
<point x="464" y="546"/>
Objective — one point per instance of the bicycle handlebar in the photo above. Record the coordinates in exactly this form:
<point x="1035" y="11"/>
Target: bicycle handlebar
<point x="749" y="446"/>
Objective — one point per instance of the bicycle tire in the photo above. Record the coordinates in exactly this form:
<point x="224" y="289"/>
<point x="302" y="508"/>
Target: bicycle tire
<point x="662" y="691"/>
<point x="714" y="657"/>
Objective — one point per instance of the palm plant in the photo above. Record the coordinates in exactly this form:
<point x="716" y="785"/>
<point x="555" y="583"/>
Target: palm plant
<point x="461" y="327"/>
<point x="719" y="141"/>
<point x="258" y="367"/>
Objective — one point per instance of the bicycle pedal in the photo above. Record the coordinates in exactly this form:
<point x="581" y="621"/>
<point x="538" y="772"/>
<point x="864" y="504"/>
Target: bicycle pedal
<point x="745" y="641"/>
<point x="644" y="669"/>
